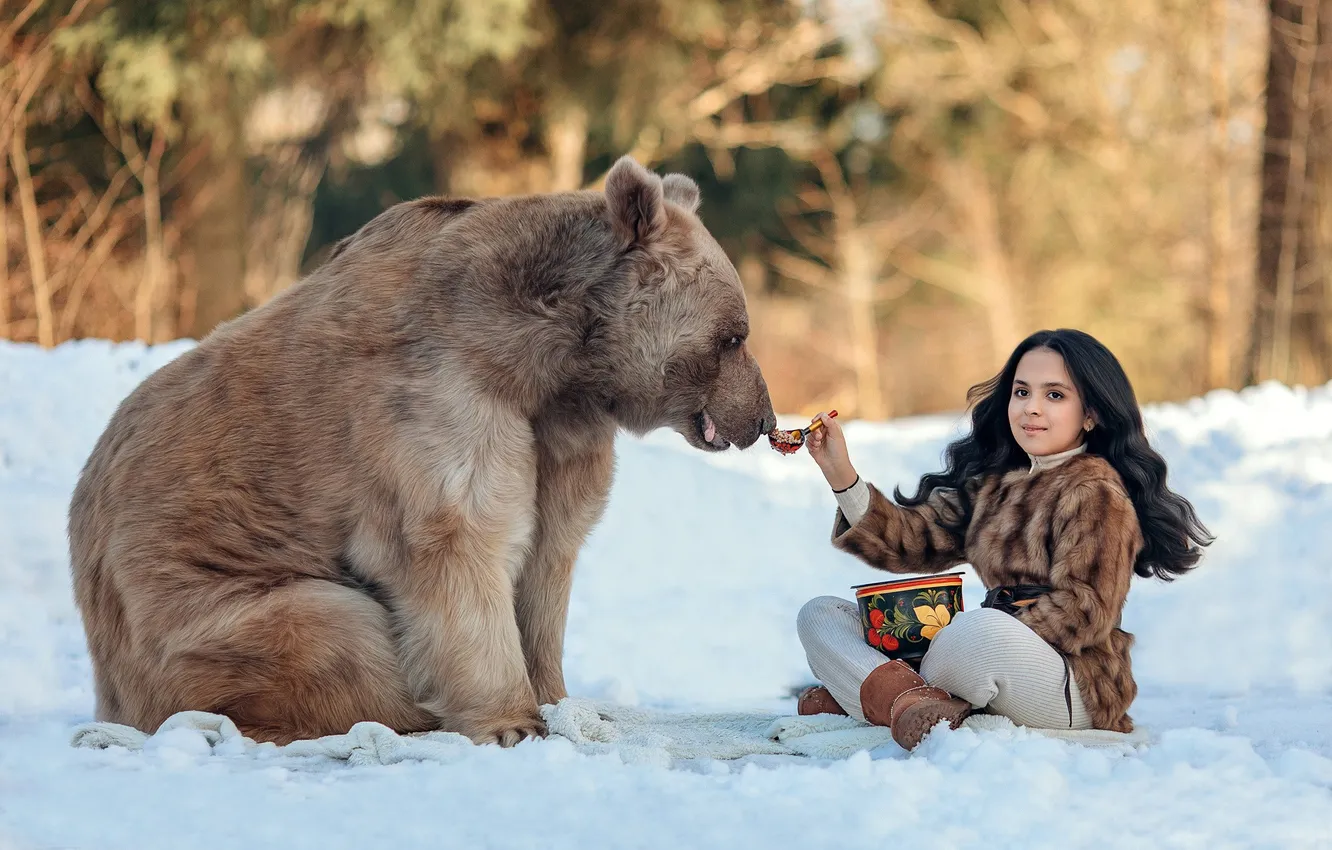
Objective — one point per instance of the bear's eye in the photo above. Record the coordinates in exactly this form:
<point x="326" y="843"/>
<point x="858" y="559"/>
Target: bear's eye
<point x="733" y="343"/>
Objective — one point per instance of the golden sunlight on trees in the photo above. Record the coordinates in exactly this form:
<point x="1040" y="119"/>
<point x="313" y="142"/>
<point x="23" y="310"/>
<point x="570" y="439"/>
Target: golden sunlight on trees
<point x="907" y="186"/>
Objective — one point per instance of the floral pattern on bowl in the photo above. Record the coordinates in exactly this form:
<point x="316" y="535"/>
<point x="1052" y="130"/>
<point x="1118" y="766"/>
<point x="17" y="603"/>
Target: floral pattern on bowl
<point x="900" y="618"/>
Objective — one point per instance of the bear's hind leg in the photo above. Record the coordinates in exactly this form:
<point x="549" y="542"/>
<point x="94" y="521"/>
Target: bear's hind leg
<point x="303" y="660"/>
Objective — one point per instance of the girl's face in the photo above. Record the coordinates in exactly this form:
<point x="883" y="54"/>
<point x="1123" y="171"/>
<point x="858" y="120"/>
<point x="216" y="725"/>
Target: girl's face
<point x="1045" y="411"/>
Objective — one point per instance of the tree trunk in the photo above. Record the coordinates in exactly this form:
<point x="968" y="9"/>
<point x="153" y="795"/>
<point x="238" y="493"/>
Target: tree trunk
<point x="977" y="209"/>
<point x="1217" y="314"/>
<point x="148" y="299"/>
<point x="1276" y="134"/>
<point x="856" y="267"/>
<point x="1317" y="289"/>
<point x="4" y="252"/>
<point x="216" y="243"/>
<point x="279" y="226"/>
<point x="1289" y="338"/>
<point x="857" y="272"/>
<point x="566" y="144"/>
<point x="1297" y="178"/>
<point x="445" y="150"/>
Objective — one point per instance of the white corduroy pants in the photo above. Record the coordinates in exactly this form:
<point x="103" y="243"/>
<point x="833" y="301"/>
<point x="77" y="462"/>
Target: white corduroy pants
<point x="987" y="657"/>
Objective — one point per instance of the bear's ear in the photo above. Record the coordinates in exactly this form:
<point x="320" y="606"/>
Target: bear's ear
<point x="635" y="198"/>
<point x="681" y="190"/>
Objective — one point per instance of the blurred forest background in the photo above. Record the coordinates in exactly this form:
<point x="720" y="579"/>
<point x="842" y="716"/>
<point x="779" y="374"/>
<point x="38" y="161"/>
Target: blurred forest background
<point x="907" y="187"/>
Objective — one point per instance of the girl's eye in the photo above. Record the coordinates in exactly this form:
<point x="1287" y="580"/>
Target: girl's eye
<point x="1020" y="393"/>
<point x="1056" y="395"/>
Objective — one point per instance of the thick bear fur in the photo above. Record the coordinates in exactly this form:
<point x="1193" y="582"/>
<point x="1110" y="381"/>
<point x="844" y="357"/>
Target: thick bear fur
<point x="364" y="500"/>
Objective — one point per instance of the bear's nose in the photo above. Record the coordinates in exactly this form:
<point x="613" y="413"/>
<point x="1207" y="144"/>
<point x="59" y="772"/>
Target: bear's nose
<point x="767" y="424"/>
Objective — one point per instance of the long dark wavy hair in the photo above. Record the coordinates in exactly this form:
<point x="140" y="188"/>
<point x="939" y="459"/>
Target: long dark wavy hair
<point x="1172" y="533"/>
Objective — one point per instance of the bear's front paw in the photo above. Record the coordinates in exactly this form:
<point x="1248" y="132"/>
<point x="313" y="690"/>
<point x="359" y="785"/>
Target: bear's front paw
<point x="507" y="731"/>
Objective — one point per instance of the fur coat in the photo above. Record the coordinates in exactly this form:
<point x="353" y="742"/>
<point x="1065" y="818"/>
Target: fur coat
<point x="1071" y="527"/>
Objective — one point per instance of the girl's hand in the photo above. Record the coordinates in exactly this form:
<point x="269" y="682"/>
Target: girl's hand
<point x="827" y="445"/>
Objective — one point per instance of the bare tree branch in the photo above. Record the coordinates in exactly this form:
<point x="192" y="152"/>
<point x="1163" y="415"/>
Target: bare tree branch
<point x="86" y="272"/>
<point x="7" y="37"/>
<point x="41" y="292"/>
<point x="803" y="270"/>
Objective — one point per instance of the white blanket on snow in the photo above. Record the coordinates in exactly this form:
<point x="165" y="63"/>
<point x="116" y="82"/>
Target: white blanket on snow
<point x="636" y="735"/>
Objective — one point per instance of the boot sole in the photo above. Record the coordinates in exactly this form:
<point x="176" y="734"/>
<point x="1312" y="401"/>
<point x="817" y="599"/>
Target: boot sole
<point x="917" y="721"/>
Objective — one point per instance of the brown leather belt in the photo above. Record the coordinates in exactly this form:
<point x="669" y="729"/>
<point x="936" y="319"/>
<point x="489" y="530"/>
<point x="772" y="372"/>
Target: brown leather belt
<point x="1010" y="597"/>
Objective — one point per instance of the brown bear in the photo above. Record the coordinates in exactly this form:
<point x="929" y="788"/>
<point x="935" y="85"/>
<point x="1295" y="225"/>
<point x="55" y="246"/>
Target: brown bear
<point x="364" y="500"/>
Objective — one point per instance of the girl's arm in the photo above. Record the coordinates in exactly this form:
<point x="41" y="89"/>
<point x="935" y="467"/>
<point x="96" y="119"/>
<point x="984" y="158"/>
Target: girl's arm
<point x="890" y="537"/>
<point x="874" y="529"/>
<point x="1096" y="542"/>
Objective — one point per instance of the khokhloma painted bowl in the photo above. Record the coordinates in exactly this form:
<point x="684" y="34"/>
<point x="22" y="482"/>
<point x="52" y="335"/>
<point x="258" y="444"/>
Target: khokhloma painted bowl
<point x="900" y="618"/>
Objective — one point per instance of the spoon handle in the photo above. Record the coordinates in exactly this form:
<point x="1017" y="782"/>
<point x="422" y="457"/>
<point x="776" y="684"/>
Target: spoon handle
<point x="818" y="423"/>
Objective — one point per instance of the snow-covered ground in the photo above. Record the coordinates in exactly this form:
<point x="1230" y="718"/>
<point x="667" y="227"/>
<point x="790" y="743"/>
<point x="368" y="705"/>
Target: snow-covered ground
<point x="685" y="599"/>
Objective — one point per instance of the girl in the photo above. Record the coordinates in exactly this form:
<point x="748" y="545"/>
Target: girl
<point x="1056" y="499"/>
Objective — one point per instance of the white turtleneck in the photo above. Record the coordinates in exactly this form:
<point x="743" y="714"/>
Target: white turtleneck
<point x="1040" y="462"/>
<point x="854" y="501"/>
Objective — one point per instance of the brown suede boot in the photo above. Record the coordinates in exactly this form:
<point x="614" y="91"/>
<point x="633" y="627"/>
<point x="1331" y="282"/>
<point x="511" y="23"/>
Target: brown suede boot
<point x="818" y="700"/>
<point x="895" y="696"/>
<point x="917" y="712"/>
